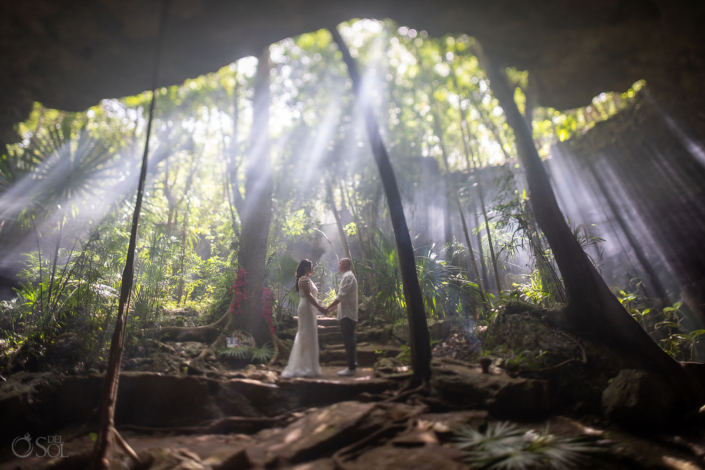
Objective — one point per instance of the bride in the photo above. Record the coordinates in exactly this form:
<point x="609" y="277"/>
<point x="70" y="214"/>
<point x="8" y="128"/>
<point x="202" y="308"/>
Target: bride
<point x="303" y="361"/>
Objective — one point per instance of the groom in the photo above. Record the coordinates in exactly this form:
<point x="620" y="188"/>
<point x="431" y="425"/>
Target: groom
<point x="347" y="312"/>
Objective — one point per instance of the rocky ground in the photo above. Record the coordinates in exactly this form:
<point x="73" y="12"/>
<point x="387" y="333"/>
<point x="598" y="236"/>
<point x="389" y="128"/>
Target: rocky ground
<point x="177" y="415"/>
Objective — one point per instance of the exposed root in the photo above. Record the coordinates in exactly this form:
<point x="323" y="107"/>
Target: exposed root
<point x="232" y="424"/>
<point x="126" y="447"/>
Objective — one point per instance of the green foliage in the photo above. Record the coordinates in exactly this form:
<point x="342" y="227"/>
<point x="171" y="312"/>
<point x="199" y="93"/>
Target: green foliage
<point x="431" y="93"/>
<point x="504" y="446"/>
<point x="405" y="355"/>
<point x="525" y="359"/>
<point x="446" y="289"/>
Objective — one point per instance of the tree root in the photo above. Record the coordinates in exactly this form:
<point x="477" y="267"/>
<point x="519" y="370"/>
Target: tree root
<point x="232" y="424"/>
<point x="126" y="447"/>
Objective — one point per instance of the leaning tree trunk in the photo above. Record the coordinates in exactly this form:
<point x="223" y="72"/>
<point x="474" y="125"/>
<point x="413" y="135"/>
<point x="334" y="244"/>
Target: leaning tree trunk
<point x="106" y="412"/>
<point x="419" y="338"/>
<point x="591" y="310"/>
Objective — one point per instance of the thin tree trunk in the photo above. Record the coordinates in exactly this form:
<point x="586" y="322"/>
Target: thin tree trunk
<point x="39" y="257"/>
<point x="180" y="290"/>
<point x="592" y="309"/>
<point x="481" y="252"/>
<point x="478" y="183"/>
<point x="56" y="260"/>
<point x="489" y="237"/>
<point x="449" y="185"/>
<point x="106" y="428"/>
<point x="224" y="168"/>
<point x="466" y="148"/>
<point x="336" y="215"/>
<point x="451" y="193"/>
<point x="419" y="338"/>
<point x="358" y="225"/>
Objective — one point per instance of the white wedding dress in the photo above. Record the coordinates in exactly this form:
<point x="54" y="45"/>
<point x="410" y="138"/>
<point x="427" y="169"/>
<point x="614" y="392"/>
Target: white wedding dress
<point x="303" y="361"/>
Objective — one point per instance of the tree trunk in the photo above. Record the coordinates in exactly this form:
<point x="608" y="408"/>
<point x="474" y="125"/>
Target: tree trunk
<point x="451" y="192"/>
<point x="489" y="236"/>
<point x="336" y="215"/>
<point x="437" y="129"/>
<point x="182" y="260"/>
<point x="358" y="225"/>
<point x="592" y="310"/>
<point x="478" y="183"/>
<point x="419" y="338"/>
<point x="256" y="212"/>
<point x="106" y="412"/>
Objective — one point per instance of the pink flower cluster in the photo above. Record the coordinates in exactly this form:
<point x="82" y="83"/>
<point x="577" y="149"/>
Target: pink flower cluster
<point x="238" y="291"/>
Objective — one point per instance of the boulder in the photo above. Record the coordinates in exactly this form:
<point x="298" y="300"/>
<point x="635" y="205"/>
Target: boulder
<point x="639" y="400"/>
<point x="401" y="333"/>
<point x="441" y="329"/>
<point x="323" y="432"/>
<point x="502" y="395"/>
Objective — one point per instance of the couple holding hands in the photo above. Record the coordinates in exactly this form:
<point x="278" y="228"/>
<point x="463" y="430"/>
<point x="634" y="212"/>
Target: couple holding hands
<point x="303" y="361"/>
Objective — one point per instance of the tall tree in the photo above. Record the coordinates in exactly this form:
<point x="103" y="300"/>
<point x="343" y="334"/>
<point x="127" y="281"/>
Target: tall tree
<point x="419" y="337"/>
<point x="591" y="309"/>
<point x="106" y="428"/>
<point x="255" y="211"/>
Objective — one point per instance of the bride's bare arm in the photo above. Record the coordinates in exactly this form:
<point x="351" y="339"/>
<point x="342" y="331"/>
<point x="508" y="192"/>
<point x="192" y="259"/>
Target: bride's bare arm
<point x="305" y="286"/>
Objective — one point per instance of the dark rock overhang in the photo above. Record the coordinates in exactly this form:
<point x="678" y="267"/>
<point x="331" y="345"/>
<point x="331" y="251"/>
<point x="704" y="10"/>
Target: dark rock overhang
<point x="69" y="54"/>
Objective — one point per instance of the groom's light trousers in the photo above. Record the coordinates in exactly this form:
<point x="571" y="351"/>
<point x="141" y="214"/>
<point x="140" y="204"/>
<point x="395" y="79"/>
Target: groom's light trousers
<point x="347" y="326"/>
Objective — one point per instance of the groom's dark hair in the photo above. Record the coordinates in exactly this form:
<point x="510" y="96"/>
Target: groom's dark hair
<point x="302" y="269"/>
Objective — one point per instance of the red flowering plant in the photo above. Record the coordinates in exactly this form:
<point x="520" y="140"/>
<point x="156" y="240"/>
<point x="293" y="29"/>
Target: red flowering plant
<point x="238" y="292"/>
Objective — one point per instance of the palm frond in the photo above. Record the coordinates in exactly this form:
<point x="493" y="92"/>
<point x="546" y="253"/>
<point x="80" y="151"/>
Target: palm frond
<point x="503" y="446"/>
<point x="262" y="354"/>
<point x="240" y="352"/>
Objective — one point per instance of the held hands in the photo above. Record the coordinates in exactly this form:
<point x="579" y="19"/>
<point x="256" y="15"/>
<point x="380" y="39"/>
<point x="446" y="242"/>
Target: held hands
<point x="325" y="310"/>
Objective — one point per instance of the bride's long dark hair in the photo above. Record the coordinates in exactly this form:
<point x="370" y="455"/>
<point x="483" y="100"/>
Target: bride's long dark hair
<point x="302" y="269"/>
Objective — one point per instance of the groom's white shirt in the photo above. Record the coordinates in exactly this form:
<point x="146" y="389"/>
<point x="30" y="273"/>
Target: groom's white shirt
<point x="347" y="295"/>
